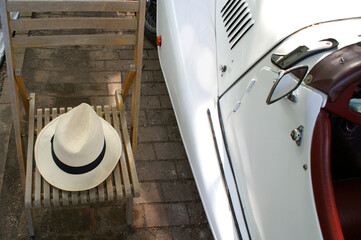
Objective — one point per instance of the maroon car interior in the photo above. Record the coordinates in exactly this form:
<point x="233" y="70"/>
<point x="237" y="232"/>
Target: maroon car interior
<point x="322" y="179"/>
<point x="337" y="75"/>
<point x="336" y="145"/>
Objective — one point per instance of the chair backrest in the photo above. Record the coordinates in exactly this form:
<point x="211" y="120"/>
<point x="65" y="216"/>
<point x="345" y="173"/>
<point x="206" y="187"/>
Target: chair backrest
<point x="111" y="22"/>
<point x="79" y="23"/>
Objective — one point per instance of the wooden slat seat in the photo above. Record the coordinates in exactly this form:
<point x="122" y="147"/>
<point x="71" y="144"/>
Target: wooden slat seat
<point x="120" y="186"/>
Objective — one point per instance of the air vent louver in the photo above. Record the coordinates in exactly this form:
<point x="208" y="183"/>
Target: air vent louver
<point x="237" y="20"/>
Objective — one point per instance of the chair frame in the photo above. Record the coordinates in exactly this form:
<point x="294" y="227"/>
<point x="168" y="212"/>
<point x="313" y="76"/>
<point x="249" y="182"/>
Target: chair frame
<point x="18" y="90"/>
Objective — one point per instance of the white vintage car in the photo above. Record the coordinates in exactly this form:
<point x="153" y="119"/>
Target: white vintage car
<point x="267" y="96"/>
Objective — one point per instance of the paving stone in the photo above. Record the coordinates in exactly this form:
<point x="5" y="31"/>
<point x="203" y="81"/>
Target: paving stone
<point x="148" y="44"/>
<point x="149" y="88"/>
<point x="97" y="65"/>
<point x="5" y="130"/>
<point x="184" y="170"/>
<point x="42" y="53"/>
<point x="149" y="102"/>
<point x="12" y="215"/>
<point x="159" y="215"/>
<point x="152" y="133"/>
<point x="152" y="65"/>
<point x="155" y="170"/>
<point x="196" y="213"/>
<point x="169" y="150"/>
<point x="49" y="76"/>
<point x="151" y="192"/>
<point x="147" y="76"/>
<point x="52" y="89"/>
<point x="150" y="234"/>
<point x="65" y="101"/>
<point x="138" y="217"/>
<point x="142" y="118"/>
<point x="103" y="55"/>
<point x="145" y="152"/>
<point x="112" y="87"/>
<point x="198" y="233"/>
<point x="126" y="54"/>
<point x="108" y="77"/>
<point x="87" y="89"/>
<point x="51" y="65"/>
<point x="173" y="133"/>
<point x="67" y="220"/>
<point x="152" y="54"/>
<point x="120" y="65"/>
<point x="161" y="117"/>
<point x="165" y="101"/>
<point x="179" y="191"/>
<point x="158" y="76"/>
<point x="146" y="102"/>
<point x="102" y="101"/>
<point x="108" y="217"/>
<point x="5" y="93"/>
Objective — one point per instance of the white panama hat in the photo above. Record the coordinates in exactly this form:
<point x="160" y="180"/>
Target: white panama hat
<point x="78" y="150"/>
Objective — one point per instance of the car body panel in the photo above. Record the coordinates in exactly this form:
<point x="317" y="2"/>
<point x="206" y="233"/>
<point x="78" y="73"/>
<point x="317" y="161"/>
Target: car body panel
<point x="274" y="21"/>
<point x="252" y="182"/>
<point x="188" y="61"/>
<point x="269" y="166"/>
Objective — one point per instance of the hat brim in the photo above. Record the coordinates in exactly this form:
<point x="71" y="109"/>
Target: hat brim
<point x="76" y="182"/>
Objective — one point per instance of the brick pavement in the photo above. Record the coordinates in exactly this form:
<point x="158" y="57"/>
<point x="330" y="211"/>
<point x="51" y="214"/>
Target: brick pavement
<point x="169" y="206"/>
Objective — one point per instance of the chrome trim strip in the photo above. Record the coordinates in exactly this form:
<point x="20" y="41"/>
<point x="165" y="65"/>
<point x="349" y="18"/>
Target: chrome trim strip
<point x="225" y="181"/>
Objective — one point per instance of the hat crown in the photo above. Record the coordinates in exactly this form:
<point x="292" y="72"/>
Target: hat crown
<point x="79" y="136"/>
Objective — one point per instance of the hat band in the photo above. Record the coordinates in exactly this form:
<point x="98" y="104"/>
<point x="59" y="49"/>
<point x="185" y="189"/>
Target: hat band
<point x="77" y="170"/>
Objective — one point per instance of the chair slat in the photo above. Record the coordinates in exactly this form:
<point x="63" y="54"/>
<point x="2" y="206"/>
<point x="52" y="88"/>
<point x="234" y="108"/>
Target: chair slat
<point x="56" y="198"/>
<point x="28" y="24"/>
<point x="68" y="5"/>
<point x="125" y="176"/>
<point x="29" y="164"/>
<point x="109" y="180"/>
<point x="92" y="195"/>
<point x="37" y="196"/>
<point x="118" y="169"/>
<point x="71" y="40"/>
<point x="138" y="60"/>
<point x="46" y="186"/>
<point x="92" y="192"/>
<point x="74" y="198"/>
<point x="83" y="197"/>
<point x="101" y="185"/>
<point x="64" y="194"/>
<point x="128" y="147"/>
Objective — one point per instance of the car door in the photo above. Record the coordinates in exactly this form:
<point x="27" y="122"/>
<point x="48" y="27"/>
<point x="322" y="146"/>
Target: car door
<point x="271" y="171"/>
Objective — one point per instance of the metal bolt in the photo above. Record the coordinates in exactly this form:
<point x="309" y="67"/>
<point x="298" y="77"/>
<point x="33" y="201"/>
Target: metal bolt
<point x="296" y="135"/>
<point x="223" y="68"/>
<point x="342" y="60"/>
<point x="308" y="79"/>
<point x="305" y="167"/>
<point x="293" y="97"/>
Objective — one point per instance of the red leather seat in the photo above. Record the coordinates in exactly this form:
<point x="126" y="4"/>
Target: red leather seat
<point x="348" y="201"/>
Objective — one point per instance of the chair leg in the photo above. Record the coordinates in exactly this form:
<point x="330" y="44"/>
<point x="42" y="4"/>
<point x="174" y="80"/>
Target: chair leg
<point x="29" y="219"/>
<point x="129" y="211"/>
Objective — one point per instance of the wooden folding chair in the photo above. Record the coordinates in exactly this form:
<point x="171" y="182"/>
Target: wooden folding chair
<point x="124" y="29"/>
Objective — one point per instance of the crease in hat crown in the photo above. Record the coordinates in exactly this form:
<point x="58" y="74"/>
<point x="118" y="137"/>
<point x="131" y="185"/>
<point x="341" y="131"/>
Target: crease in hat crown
<point x="78" y="136"/>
